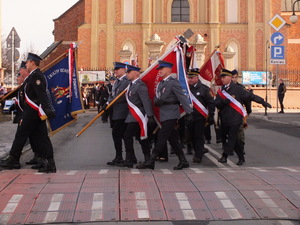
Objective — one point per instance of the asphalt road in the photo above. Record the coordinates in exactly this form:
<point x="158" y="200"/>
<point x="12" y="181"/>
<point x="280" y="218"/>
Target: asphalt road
<point x="267" y="145"/>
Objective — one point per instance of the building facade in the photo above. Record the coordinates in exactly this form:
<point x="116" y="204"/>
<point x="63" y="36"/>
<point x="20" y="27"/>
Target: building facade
<point x="121" y="30"/>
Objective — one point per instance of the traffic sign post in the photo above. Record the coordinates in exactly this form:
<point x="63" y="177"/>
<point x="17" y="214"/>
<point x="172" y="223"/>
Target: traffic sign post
<point x="277" y="52"/>
<point x="277" y="38"/>
<point x="13" y="41"/>
<point x="277" y="49"/>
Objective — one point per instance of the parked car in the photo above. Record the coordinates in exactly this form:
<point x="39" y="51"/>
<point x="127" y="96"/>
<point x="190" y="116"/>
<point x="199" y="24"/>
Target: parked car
<point x="7" y="105"/>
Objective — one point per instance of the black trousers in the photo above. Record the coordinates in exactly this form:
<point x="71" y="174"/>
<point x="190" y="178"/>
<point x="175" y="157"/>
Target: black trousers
<point x="36" y="130"/>
<point x="230" y="134"/>
<point x="168" y="132"/>
<point x="207" y="133"/>
<point x="196" y="131"/>
<point x="133" y="130"/>
<point x="118" y="129"/>
<point x="280" y="99"/>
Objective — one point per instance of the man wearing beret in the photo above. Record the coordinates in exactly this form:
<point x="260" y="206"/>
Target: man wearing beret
<point x="33" y="119"/>
<point x="169" y="95"/>
<point x="119" y="110"/>
<point x="229" y="100"/>
<point x="140" y="111"/>
<point x="203" y="112"/>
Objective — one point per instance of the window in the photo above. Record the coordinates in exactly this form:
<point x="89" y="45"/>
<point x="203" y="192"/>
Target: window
<point x="232" y="11"/>
<point x="128" y="8"/>
<point x="180" y="11"/>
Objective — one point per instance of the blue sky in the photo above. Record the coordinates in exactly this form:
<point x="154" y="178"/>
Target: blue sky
<point x="33" y="21"/>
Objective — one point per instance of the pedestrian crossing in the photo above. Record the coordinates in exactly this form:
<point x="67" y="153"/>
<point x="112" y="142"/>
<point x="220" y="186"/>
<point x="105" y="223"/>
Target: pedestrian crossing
<point x="193" y="194"/>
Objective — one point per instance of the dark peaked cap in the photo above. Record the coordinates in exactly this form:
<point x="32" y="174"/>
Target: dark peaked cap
<point x="34" y="57"/>
<point x="130" y="68"/>
<point x="225" y="73"/>
<point x="234" y="72"/>
<point x="193" y="72"/>
<point x="119" y="65"/>
<point x="23" y="65"/>
<point x="162" y="64"/>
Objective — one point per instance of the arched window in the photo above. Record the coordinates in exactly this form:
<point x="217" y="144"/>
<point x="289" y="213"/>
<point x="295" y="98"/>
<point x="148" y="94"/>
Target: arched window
<point x="180" y="11"/>
<point x="236" y="58"/>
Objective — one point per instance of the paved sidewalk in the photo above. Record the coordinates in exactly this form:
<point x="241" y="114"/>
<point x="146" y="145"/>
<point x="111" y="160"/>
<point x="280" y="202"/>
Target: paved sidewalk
<point x="291" y="116"/>
<point x="192" y="194"/>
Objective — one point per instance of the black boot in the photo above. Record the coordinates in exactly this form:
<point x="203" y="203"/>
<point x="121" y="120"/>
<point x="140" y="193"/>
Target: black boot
<point x="223" y="159"/>
<point x="147" y="156"/>
<point x="115" y="161"/>
<point x="189" y="149"/>
<point x="128" y="162"/>
<point x="150" y="164"/>
<point x="197" y="159"/>
<point x="241" y="158"/>
<point x="10" y="163"/>
<point x="183" y="163"/>
<point x="49" y="168"/>
<point x="40" y="164"/>
<point x="33" y="161"/>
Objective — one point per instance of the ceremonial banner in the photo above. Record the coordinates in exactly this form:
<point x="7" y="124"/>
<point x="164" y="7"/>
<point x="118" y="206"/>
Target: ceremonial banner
<point x="65" y="93"/>
<point x="211" y="69"/>
<point x="151" y="78"/>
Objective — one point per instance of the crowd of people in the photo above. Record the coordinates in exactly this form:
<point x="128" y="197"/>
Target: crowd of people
<point x="132" y="116"/>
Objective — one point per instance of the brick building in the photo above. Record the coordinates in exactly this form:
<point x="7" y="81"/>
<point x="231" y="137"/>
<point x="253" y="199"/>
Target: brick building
<point x="118" y="30"/>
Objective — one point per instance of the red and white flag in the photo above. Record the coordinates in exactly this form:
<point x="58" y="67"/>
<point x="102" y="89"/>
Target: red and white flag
<point x="151" y="79"/>
<point x="71" y="67"/>
<point x="211" y="69"/>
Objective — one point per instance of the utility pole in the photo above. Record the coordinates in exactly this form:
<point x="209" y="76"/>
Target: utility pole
<point x="13" y="60"/>
<point x="1" y="70"/>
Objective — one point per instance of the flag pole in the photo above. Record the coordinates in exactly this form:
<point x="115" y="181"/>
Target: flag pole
<point x="100" y="114"/>
<point x="10" y="93"/>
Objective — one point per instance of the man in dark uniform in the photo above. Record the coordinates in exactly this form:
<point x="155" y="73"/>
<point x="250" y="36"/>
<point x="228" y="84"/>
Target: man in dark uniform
<point x="18" y="106"/>
<point x="119" y="110"/>
<point x="203" y="113"/>
<point x="169" y="95"/>
<point x="33" y="119"/>
<point x="229" y="101"/>
<point x="281" y="92"/>
<point x="140" y="111"/>
<point x="254" y="98"/>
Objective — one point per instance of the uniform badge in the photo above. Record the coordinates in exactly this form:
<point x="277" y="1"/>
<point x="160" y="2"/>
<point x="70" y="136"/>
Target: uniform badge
<point x="198" y="93"/>
<point x="38" y="82"/>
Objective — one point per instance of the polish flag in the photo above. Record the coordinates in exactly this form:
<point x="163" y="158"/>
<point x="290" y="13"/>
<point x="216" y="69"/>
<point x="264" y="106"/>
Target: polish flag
<point x="211" y="70"/>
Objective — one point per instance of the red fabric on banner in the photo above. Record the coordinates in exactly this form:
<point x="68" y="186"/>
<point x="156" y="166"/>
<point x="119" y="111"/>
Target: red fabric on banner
<point x="212" y="68"/>
<point x="152" y="79"/>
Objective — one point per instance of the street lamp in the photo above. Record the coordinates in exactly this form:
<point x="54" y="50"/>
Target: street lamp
<point x="294" y="17"/>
